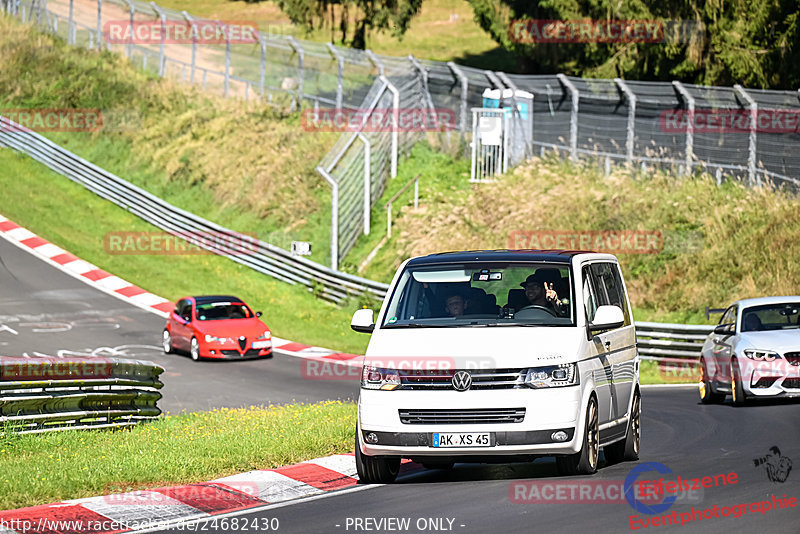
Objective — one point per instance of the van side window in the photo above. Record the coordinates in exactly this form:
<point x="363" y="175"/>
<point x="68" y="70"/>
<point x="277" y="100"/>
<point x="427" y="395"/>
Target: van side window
<point x="589" y="296"/>
<point x="609" y="283"/>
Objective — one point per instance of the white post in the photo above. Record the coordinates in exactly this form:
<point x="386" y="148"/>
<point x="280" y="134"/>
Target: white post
<point x="458" y="73"/>
<point x="99" y="31"/>
<point x="300" y="56"/>
<point x="263" y="66"/>
<point x="573" y="116"/>
<point x="132" y="11"/>
<point x="334" y="217"/>
<point x="375" y="61"/>
<point x="161" y="53"/>
<point x="70" y="29"/>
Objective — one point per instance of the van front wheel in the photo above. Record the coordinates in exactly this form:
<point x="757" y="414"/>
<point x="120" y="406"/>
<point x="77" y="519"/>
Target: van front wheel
<point x="375" y="469"/>
<point x="584" y="462"/>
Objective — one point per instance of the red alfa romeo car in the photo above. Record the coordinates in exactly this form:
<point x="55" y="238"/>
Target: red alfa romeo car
<point x="222" y="327"/>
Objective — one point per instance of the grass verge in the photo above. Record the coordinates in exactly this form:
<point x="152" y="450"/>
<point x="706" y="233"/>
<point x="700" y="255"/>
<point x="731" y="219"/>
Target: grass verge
<point x="178" y="449"/>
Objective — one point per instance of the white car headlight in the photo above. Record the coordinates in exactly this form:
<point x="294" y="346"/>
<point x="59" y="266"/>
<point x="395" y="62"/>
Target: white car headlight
<point x="265" y="335"/>
<point x="762" y="355"/>
<point x="550" y="376"/>
<point x="379" y="378"/>
<point x="215" y="339"/>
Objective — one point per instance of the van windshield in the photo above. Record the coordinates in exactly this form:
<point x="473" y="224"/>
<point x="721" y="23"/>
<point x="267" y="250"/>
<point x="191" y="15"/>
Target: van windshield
<point x="482" y="294"/>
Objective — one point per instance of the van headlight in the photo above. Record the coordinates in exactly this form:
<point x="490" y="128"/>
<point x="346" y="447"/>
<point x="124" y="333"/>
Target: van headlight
<point x="379" y="378"/>
<point x="550" y="376"/>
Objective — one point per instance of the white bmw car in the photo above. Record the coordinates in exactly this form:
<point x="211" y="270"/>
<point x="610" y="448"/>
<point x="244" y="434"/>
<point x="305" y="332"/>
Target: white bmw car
<point x="753" y="352"/>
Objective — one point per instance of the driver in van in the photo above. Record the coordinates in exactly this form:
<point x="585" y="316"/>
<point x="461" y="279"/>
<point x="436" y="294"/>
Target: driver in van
<point x="539" y="292"/>
<point x="455" y="305"/>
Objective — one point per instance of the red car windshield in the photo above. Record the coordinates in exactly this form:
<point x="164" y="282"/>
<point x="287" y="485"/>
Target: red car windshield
<point x="215" y="311"/>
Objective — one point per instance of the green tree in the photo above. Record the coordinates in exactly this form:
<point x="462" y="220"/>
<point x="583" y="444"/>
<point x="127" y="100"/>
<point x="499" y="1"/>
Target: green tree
<point x="354" y="19"/>
<point x="752" y="42"/>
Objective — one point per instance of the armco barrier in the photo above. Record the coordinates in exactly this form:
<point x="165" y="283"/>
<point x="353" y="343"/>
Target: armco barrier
<point x="263" y="257"/>
<point x="43" y="394"/>
<point x="659" y="340"/>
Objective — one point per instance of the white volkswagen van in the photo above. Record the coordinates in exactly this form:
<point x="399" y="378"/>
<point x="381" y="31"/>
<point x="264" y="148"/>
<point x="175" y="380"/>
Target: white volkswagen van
<point x="499" y="356"/>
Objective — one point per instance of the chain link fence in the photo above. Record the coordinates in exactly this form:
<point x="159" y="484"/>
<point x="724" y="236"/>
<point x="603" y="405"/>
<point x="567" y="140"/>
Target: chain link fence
<point x="639" y="124"/>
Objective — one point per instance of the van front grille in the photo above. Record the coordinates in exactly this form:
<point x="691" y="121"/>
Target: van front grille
<point x="441" y="379"/>
<point x="458" y="417"/>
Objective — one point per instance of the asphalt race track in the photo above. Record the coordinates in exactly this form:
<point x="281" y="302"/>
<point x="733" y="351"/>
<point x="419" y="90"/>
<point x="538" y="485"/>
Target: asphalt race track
<point x="692" y="440"/>
<point x="44" y="311"/>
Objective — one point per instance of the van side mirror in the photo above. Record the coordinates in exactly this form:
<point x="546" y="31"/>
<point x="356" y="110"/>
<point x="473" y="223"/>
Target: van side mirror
<point x="606" y="318"/>
<point x="363" y="321"/>
<point x="724" y="329"/>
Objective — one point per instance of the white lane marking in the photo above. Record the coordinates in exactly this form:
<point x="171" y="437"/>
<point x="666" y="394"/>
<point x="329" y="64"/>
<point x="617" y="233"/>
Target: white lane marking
<point x="79" y="267"/>
<point x="147" y="299"/>
<point x="5" y="328"/>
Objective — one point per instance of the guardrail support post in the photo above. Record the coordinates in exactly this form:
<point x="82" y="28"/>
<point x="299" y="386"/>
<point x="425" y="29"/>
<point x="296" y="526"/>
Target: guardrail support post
<point x="573" y="116"/>
<point x="99" y="30"/>
<point x="751" y="158"/>
<point x="227" y="57"/>
<point x="367" y="181"/>
<point x="339" y="74"/>
<point x="395" y="122"/>
<point x="334" y="217"/>
<point x="190" y="20"/>
<point x="300" y="56"/>
<point x="688" y="99"/>
<point x="631" y="98"/>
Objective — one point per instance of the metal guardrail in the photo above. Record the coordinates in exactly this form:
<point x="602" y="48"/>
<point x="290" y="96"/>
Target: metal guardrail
<point x="46" y="394"/>
<point x="332" y="285"/>
<point x="665" y="341"/>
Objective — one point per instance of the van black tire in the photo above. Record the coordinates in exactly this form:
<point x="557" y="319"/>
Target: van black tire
<point x="627" y="450"/>
<point x="375" y="469"/>
<point x="584" y="462"/>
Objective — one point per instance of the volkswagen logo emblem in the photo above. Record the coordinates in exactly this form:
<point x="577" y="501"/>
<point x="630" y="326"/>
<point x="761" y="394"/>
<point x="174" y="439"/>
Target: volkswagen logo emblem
<point x="461" y="381"/>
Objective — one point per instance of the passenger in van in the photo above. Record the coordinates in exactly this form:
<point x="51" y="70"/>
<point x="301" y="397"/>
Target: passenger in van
<point x="539" y="292"/>
<point x="454" y="305"/>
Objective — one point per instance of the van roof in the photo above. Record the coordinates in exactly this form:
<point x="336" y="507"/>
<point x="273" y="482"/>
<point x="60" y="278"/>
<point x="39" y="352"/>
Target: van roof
<point x="505" y="255"/>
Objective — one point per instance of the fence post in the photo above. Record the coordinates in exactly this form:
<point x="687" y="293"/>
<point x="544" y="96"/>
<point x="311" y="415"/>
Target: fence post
<point x="573" y="116"/>
<point x="688" y="99"/>
<point x="161" y="53"/>
<point x="334" y="217"/>
<point x="99" y="30"/>
<point x="340" y="74"/>
<point x="631" y="98"/>
<point x="190" y="20"/>
<point x="375" y="61"/>
<point x="70" y="23"/>
<point x="751" y="158"/>
<point x="300" y="55"/>
<point x="457" y="72"/>
<point x="132" y="11"/>
<point x="367" y="181"/>
<point x="395" y="121"/>
<point x="227" y="57"/>
<point x="263" y="66"/>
